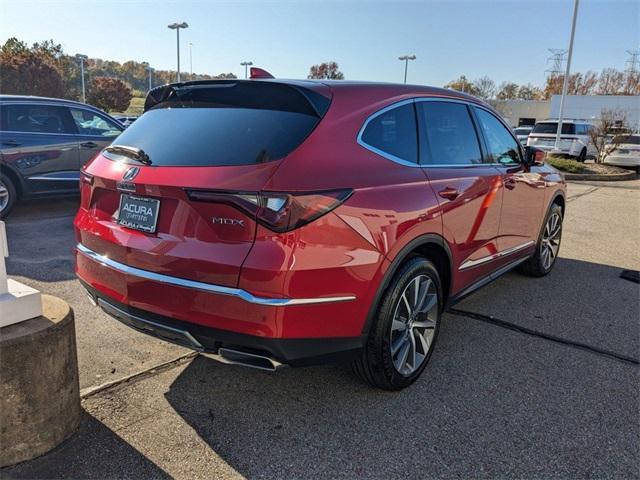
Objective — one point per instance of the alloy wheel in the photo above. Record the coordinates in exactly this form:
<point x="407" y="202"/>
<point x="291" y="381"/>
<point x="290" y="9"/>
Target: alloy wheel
<point x="413" y="325"/>
<point x="4" y="196"/>
<point x="551" y="240"/>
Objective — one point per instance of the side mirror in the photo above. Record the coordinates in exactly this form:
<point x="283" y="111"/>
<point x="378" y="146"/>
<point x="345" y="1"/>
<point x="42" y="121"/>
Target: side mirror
<point x="534" y="157"/>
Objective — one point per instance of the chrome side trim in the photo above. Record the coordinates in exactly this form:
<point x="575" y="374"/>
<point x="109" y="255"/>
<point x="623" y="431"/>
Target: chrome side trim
<point x="495" y="256"/>
<point x="73" y="176"/>
<point x="206" y="287"/>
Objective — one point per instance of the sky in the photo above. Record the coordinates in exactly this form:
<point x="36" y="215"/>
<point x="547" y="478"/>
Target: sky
<point x="506" y="39"/>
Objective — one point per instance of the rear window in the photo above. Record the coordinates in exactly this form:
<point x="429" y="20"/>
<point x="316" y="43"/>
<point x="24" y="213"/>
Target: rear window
<point x="627" y="139"/>
<point x="552" y="127"/>
<point x="224" y="124"/>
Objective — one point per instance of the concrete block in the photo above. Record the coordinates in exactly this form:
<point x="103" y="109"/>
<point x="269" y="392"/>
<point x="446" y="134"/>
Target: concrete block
<point x="20" y="303"/>
<point x="39" y="389"/>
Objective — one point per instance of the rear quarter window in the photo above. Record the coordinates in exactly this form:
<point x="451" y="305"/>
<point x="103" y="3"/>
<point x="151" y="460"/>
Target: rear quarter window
<point x="393" y="134"/>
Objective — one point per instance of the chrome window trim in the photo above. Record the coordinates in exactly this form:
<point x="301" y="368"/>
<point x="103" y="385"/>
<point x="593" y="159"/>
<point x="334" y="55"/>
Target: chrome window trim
<point x="481" y="261"/>
<point x="206" y="287"/>
<point x="375" y="150"/>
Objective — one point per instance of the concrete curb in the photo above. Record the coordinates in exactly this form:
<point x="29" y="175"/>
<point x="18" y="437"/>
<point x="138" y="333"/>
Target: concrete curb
<point x="600" y="177"/>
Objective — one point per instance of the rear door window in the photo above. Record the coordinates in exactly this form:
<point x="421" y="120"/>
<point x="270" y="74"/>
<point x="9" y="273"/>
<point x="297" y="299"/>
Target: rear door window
<point x="447" y="134"/>
<point x="224" y="124"/>
<point x="93" y="124"/>
<point x="393" y="134"/>
<point x="34" y="118"/>
<point x="501" y="145"/>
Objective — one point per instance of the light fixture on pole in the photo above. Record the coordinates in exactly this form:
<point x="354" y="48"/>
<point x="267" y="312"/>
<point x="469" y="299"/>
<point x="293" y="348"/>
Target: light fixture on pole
<point x="565" y="82"/>
<point x="190" y="61"/>
<point x="245" y="65"/>
<point x="177" y="26"/>
<point x="406" y="59"/>
<point x="81" y="59"/>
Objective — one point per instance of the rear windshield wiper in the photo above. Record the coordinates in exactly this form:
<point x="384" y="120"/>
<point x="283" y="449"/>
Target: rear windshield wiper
<point x="130" y="152"/>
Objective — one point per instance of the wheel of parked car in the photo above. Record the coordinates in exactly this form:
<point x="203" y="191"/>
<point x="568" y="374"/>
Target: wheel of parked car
<point x="548" y="245"/>
<point x="583" y="155"/>
<point x="403" y="335"/>
<point x="7" y="195"/>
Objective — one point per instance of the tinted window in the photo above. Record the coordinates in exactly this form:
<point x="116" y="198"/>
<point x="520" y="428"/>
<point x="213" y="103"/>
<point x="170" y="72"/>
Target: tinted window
<point x="394" y="133"/>
<point x="448" y="136"/>
<point x="501" y="145"/>
<point x="552" y="127"/>
<point x="627" y="139"/>
<point x="216" y="136"/>
<point x="522" y="131"/>
<point x="89" y="123"/>
<point x="36" y="119"/>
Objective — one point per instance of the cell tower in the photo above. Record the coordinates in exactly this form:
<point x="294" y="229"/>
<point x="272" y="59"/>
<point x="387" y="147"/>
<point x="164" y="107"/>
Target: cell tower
<point x="556" y="59"/>
<point x="633" y="64"/>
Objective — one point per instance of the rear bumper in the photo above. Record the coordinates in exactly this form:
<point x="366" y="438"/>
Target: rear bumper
<point x="289" y="351"/>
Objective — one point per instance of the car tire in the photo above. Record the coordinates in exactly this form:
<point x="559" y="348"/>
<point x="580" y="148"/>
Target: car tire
<point x="547" y="247"/>
<point x="583" y="155"/>
<point x="8" y="195"/>
<point x="395" y="355"/>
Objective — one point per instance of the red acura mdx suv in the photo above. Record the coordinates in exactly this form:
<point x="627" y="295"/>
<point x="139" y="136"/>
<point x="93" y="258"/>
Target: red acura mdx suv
<point x="273" y="222"/>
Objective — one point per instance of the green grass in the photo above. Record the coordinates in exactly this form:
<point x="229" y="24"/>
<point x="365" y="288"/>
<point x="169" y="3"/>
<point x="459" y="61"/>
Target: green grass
<point x="135" y="107"/>
<point x="565" y="164"/>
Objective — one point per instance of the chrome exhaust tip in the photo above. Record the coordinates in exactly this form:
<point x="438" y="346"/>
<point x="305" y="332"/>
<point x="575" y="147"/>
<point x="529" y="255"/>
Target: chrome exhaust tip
<point x="251" y="360"/>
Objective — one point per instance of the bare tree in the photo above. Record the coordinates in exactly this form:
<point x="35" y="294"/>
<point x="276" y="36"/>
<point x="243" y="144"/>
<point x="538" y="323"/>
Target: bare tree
<point x="508" y="91"/>
<point x="603" y="135"/>
<point x="485" y="88"/>
<point x="610" y="82"/>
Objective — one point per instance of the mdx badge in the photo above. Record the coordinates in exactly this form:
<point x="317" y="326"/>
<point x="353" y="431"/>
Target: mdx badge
<point x="228" y="221"/>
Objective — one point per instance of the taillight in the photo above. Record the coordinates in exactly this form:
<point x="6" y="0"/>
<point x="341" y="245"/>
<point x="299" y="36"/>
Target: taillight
<point x="280" y="212"/>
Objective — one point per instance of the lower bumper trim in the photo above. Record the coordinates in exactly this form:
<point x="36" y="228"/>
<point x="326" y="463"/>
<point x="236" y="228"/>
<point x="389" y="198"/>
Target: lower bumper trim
<point x="288" y="351"/>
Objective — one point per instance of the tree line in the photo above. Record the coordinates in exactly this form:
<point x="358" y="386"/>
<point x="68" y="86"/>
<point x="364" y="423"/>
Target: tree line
<point x="608" y="82"/>
<point x="45" y="69"/>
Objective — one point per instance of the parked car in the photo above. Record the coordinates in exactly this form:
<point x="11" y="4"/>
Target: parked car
<point x="125" y="120"/>
<point x="43" y="144"/>
<point x="625" y="152"/>
<point x="522" y="134"/>
<point x="300" y="222"/>
<point x="575" y="140"/>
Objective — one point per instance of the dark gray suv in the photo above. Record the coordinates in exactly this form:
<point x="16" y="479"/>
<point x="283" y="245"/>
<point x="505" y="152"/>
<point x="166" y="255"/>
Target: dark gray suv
<point x="43" y="144"/>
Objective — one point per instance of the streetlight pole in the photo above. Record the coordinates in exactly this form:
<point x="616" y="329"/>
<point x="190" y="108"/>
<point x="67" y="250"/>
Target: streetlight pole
<point x="190" y="61"/>
<point x="406" y="59"/>
<point x="245" y="65"/>
<point x="81" y="58"/>
<point x="149" y="69"/>
<point x="565" y="82"/>
<point x="177" y="26"/>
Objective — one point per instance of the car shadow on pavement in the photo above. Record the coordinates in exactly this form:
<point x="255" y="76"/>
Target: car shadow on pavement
<point x="492" y="403"/>
<point x="94" y="451"/>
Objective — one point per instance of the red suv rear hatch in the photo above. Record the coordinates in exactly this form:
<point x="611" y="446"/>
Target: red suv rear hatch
<point x="223" y="138"/>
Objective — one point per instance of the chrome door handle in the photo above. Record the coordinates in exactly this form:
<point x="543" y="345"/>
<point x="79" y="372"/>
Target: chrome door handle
<point x="89" y="144"/>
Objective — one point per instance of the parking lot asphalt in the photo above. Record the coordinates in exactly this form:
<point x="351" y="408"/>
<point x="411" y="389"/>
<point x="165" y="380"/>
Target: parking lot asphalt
<point x="531" y="378"/>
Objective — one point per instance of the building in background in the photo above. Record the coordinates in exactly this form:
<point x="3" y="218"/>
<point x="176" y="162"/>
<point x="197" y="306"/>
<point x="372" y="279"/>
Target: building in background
<point x="585" y="107"/>
<point x="590" y="107"/>
<point x="519" y="113"/>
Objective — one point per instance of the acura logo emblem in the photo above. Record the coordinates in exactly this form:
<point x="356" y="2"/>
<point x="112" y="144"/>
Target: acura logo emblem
<point x="130" y="174"/>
